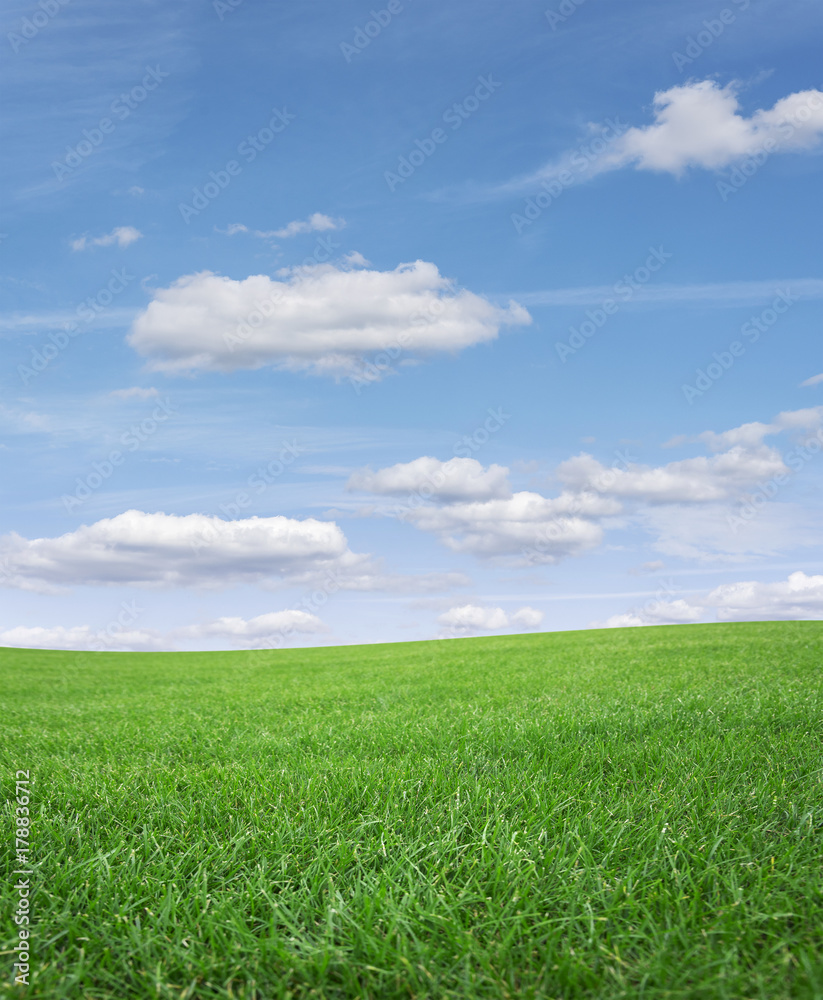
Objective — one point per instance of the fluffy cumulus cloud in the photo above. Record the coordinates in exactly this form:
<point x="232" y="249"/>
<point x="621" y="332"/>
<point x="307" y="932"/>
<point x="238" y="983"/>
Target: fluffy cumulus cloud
<point x="699" y="124"/>
<point x="695" y="508"/>
<point x="473" y="509"/>
<point x="526" y="529"/>
<point x="476" y="618"/>
<point x="174" y="551"/>
<point x="695" y="125"/>
<point x="324" y="319"/>
<point x="123" y="236"/>
<point x="429" y="478"/>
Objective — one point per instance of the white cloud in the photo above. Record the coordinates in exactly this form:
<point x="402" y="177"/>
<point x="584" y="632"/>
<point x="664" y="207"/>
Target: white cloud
<point x="814" y="380"/>
<point x="698" y="125"/>
<point x="321" y="319"/>
<point x="653" y="566"/>
<point x="687" y="502"/>
<point x="474" y="618"/>
<point x="472" y="509"/>
<point x="189" y="551"/>
<point x="123" y="236"/>
<point x="528" y="617"/>
<point x="234" y="228"/>
<point x="678" y="612"/>
<point x="80" y="637"/>
<point x="689" y="506"/>
<point x="272" y="627"/>
<point x="135" y="190"/>
<point x="750" y="435"/>
<point x="692" y="480"/>
<point x="721" y="294"/>
<point x="316" y="223"/>
<point x="798" y="597"/>
<point x="708" y="533"/>
<point x="197" y="550"/>
<point x="456" y="479"/>
<point x="526" y="529"/>
<point x="134" y="392"/>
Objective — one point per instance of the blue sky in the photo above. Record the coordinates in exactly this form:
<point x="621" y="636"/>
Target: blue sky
<point x="350" y="324"/>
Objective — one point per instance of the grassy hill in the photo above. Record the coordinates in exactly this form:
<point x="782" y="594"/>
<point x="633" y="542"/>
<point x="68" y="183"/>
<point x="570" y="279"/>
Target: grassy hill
<point x="616" y="813"/>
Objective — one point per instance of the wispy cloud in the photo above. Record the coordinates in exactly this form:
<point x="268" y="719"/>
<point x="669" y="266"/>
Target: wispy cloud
<point x="729" y="293"/>
<point x="316" y="223"/>
<point x="123" y="236"/>
<point x="134" y="392"/>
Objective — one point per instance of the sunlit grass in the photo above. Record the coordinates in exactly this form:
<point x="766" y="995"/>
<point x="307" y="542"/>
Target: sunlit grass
<point x="616" y="813"/>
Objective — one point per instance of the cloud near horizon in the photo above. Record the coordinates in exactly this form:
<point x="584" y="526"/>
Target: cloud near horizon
<point x="468" y="618"/>
<point x="799" y="597"/>
<point x="267" y="631"/>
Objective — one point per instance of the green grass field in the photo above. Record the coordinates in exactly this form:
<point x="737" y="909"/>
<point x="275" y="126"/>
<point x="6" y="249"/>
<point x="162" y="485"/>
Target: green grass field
<point x="615" y="813"/>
